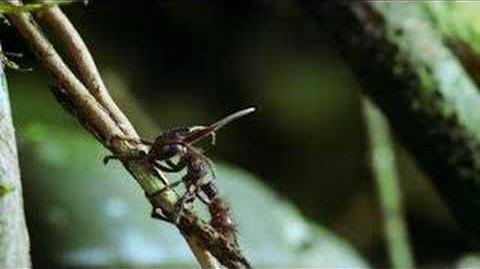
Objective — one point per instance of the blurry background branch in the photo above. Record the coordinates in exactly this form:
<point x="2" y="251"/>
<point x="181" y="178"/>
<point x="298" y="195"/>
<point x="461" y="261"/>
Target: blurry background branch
<point x="201" y="59"/>
<point x="384" y="170"/>
<point x="14" y="239"/>
<point x="90" y="102"/>
<point x="408" y="70"/>
<point x="457" y="28"/>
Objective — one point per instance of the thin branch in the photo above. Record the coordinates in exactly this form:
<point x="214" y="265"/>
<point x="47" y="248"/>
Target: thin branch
<point x="204" y="258"/>
<point x="201" y="237"/>
<point x="89" y="75"/>
<point x="63" y="75"/>
<point x="385" y="172"/>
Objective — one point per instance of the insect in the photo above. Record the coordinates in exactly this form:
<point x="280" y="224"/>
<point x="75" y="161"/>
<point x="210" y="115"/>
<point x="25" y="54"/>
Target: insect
<point x="178" y="142"/>
<point x="221" y="219"/>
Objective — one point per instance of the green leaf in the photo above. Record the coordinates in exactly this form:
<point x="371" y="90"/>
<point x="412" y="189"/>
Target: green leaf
<point x="470" y="260"/>
<point x="12" y="64"/>
<point x="6" y="189"/>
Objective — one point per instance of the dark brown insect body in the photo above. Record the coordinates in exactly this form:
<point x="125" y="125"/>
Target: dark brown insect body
<point x="177" y="142"/>
<point x="196" y="182"/>
<point x="221" y="219"/>
<point x="197" y="167"/>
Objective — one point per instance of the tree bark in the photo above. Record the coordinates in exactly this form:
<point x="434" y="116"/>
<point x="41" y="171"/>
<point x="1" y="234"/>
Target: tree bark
<point x="14" y="240"/>
<point x="408" y="70"/>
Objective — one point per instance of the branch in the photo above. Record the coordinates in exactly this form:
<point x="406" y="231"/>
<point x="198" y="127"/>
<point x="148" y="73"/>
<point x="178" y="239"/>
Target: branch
<point x="92" y="107"/>
<point x="64" y="77"/>
<point x="89" y="75"/>
<point x="459" y="34"/>
<point x="384" y="168"/>
<point x="431" y="103"/>
<point x="14" y="240"/>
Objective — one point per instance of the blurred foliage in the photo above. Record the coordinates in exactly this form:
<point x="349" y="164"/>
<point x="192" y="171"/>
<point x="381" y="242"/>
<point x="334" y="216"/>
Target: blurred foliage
<point x="6" y="189"/>
<point x="459" y="20"/>
<point x="100" y="217"/>
<point x="174" y="63"/>
<point x="469" y="261"/>
<point x="5" y="58"/>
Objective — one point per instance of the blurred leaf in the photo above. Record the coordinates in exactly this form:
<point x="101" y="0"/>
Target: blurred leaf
<point x="5" y="59"/>
<point x="6" y="189"/>
<point x="469" y="261"/>
<point x="97" y="216"/>
<point x="458" y="20"/>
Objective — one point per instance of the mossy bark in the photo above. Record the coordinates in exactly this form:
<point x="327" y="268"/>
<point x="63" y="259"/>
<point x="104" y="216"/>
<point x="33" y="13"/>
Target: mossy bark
<point x="408" y="70"/>
<point x="14" y="240"/>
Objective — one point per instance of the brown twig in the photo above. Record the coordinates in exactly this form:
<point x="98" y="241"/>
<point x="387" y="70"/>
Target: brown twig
<point x="63" y="75"/>
<point x="89" y="75"/>
<point x="103" y="122"/>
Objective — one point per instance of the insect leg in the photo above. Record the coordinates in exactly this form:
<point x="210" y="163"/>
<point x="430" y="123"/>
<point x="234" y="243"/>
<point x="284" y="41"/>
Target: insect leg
<point x="171" y="168"/>
<point x="169" y="186"/>
<point x="174" y="184"/>
<point x="176" y="166"/>
<point x="107" y="158"/>
<point x="204" y="200"/>
<point x="157" y="213"/>
<point x="187" y="196"/>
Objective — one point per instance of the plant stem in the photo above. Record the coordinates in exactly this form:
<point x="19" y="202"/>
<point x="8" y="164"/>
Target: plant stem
<point x="89" y="75"/>
<point x="385" y="172"/>
<point x="90" y="106"/>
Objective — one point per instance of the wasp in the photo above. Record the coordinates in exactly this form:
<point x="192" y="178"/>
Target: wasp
<point x="179" y="142"/>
